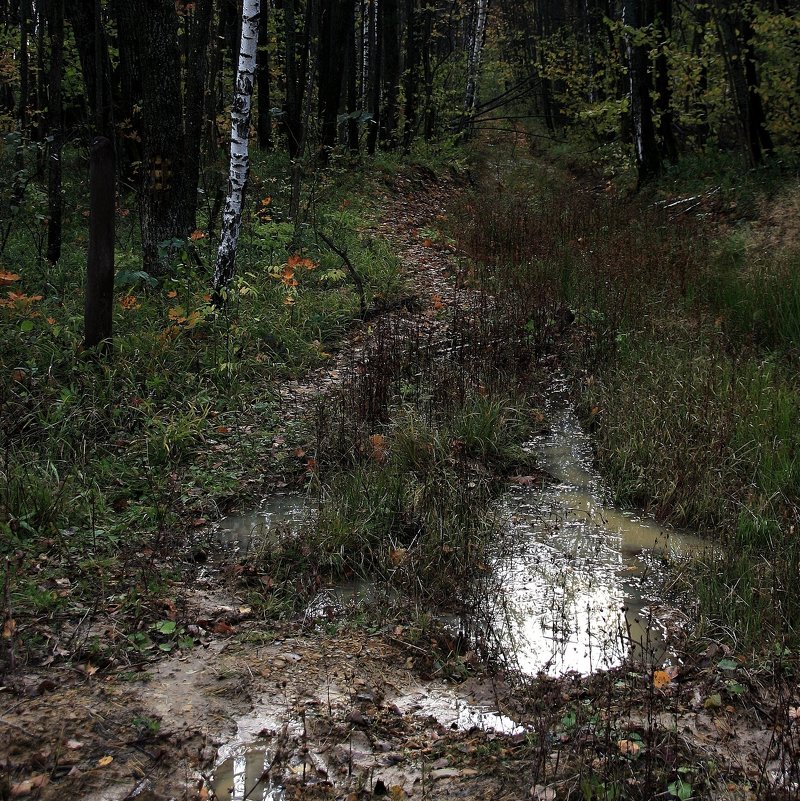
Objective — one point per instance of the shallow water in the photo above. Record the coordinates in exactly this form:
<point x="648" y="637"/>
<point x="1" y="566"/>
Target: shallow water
<point x="586" y="584"/>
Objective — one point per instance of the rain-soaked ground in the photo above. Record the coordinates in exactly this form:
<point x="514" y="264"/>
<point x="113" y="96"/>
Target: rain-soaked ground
<point x="585" y="587"/>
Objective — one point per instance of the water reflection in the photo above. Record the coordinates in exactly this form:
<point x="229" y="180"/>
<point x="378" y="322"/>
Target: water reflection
<point x="584" y="593"/>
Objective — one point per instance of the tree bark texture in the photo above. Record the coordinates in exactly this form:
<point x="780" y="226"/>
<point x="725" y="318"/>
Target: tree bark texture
<point x="168" y="195"/>
<point x="100" y="262"/>
<point x="648" y="160"/>
<point x="55" y="126"/>
<point x="239" y="156"/>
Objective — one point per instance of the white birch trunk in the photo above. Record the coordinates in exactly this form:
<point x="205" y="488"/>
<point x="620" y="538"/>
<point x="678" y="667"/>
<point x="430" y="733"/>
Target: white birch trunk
<point x="474" y="58"/>
<point x="225" y="267"/>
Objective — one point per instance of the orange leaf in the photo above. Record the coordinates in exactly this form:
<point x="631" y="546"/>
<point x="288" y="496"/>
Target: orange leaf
<point x="197" y="234"/>
<point x="378" y="443"/>
<point x="8" y="278"/>
<point x="129" y="302"/>
<point x="427" y="242"/>
<point x="266" y="201"/>
<point x="437" y="302"/>
<point x="663" y="677"/>
<point x="172" y="294"/>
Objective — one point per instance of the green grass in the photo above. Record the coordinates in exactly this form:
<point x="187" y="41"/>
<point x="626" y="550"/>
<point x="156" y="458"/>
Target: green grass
<point x="112" y="459"/>
<point x="684" y="351"/>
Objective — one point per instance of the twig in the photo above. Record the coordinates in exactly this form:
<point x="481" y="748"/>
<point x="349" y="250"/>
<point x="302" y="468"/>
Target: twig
<point x="342" y="254"/>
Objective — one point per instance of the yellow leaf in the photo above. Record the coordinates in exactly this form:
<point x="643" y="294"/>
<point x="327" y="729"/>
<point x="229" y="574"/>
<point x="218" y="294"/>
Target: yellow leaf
<point x="106" y="760"/>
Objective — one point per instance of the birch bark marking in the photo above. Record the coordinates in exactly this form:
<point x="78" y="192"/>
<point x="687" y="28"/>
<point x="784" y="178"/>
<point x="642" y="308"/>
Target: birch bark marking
<point x="474" y="59"/>
<point x="239" y="162"/>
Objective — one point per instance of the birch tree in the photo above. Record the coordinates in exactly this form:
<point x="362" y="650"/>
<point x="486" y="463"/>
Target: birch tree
<point x="225" y="267"/>
<point x="474" y="58"/>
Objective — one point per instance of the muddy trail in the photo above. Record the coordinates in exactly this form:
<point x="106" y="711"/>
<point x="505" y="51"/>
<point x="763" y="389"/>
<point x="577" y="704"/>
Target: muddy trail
<point x="322" y="707"/>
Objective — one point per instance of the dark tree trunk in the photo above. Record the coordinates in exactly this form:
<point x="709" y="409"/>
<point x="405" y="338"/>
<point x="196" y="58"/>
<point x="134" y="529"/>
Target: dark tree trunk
<point x="198" y="31"/>
<point x="411" y="72"/>
<point x="648" y="160"/>
<point x="334" y="15"/>
<point x="264" y="120"/>
<point x="736" y="28"/>
<point x="100" y="262"/>
<point x="24" y="63"/>
<point x="55" y="126"/>
<point x="167" y="198"/>
<point x="375" y="72"/>
<point x="351" y="80"/>
<point x="390" y="34"/>
<point x="429" y="111"/>
<point x="295" y="78"/>
<point x="669" y="145"/>
<point x="92" y="47"/>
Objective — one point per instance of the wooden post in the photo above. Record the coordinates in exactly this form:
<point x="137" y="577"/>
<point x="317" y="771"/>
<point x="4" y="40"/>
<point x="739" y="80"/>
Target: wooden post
<point x="100" y="262"/>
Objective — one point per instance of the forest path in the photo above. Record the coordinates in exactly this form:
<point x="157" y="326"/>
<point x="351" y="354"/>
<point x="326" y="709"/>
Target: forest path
<point x="352" y="713"/>
<point x="355" y="714"/>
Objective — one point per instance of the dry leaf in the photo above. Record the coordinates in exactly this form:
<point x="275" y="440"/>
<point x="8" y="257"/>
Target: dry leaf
<point x="106" y="760"/>
<point x="629" y="747"/>
<point x="663" y="677"/>
<point x="29" y="785"/>
<point x="9" y="627"/>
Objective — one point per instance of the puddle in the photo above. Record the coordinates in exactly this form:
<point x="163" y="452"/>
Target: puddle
<point x="455" y="712"/>
<point x="586" y="591"/>
<point x="269" y="750"/>
<point x="240" y="532"/>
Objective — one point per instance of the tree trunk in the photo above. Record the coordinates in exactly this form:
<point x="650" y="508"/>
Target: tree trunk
<point x="648" y="161"/>
<point x="198" y="30"/>
<point x="475" y="49"/>
<point x="411" y="73"/>
<point x="24" y="64"/>
<point x="669" y="145"/>
<point x="92" y="47"/>
<point x="295" y="81"/>
<point x="390" y="34"/>
<point x="736" y="35"/>
<point x="55" y="126"/>
<point x="100" y="261"/>
<point x="167" y="197"/>
<point x="351" y="80"/>
<point x="334" y="16"/>
<point x="239" y="159"/>
<point x="263" y="83"/>
<point x="376" y="72"/>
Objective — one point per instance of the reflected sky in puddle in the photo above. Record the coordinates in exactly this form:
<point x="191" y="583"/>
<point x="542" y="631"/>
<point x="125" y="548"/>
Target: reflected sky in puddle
<point x="582" y="586"/>
<point x="585" y="592"/>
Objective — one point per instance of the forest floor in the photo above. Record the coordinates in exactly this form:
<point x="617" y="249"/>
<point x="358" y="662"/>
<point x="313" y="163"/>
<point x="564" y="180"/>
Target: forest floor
<point x="344" y="711"/>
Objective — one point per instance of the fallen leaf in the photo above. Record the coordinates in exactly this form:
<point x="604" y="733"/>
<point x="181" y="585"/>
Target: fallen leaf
<point x="541" y="793"/>
<point x="29" y="785"/>
<point x="221" y="627"/>
<point x="663" y="677"/>
<point x="106" y="760"/>
<point x="8" y="278"/>
<point x="74" y="745"/>
<point x="9" y="627"/>
<point x="713" y="701"/>
<point x="629" y="747"/>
